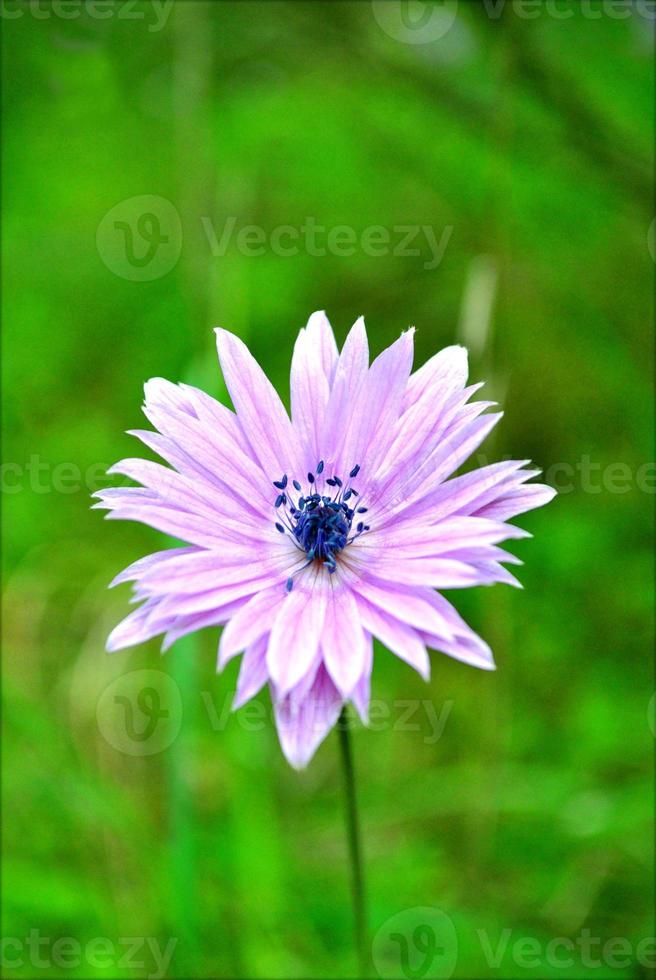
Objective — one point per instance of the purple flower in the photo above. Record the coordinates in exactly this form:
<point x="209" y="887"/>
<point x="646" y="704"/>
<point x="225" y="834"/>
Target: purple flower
<point x="306" y="538"/>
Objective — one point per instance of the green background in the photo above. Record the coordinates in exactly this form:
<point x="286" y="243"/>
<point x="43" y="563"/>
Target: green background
<point x="530" y="139"/>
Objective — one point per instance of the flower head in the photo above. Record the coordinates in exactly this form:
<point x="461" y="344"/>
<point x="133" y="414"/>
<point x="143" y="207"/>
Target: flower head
<point x="308" y="537"/>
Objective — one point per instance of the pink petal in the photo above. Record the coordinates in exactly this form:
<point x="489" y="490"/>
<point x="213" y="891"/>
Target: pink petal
<point x="465" y="644"/>
<point x="251" y="623"/>
<point x="261" y="414"/>
<point x="361" y="694"/>
<point x="309" y="391"/>
<point x="350" y="375"/>
<point x="376" y="406"/>
<point x="295" y="635"/>
<point x="413" y="538"/>
<point x="342" y="640"/>
<point x="183" y="625"/>
<point x="134" y="570"/>
<point x="219" y="460"/>
<point x="135" y="628"/>
<point x="463" y="494"/>
<point x="418" y="436"/>
<point x="321" y="337"/>
<point x="253" y="673"/>
<point x="303" y="723"/>
<point x="213" y="569"/>
<point x="179" y="604"/>
<point x="444" y="373"/>
<point x="398" y="637"/>
<point x="518" y="501"/>
<point x="438" y="573"/>
<point x="412" y="607"/>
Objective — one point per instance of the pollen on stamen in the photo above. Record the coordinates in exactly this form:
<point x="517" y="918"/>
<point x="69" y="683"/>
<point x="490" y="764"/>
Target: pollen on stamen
<point x="320" y="526"/>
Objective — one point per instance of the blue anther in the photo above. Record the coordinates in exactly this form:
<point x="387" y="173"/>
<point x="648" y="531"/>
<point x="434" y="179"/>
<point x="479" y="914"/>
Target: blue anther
<point x="319" y="525"/>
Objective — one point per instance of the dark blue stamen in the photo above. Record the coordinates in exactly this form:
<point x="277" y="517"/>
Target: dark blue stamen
<point x="319" y="525"/>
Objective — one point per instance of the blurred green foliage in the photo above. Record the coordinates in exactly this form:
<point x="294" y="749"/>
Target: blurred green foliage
<point x="530" y="140"/>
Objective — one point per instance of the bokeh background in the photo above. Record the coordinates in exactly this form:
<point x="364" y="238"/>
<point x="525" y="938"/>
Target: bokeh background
<point x="518" y="804"/>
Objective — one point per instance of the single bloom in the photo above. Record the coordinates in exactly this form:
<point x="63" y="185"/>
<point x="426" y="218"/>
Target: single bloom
<point x="306" y="537"/>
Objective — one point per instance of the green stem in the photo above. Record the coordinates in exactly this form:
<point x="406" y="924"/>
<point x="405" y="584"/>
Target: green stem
<point x="353" y="833"/>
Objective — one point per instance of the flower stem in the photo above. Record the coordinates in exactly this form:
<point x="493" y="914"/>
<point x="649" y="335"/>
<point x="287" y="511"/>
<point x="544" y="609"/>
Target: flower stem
<point x="353" y="833"/>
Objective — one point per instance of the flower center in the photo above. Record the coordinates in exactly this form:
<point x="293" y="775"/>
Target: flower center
<point x="320" y="525"/>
